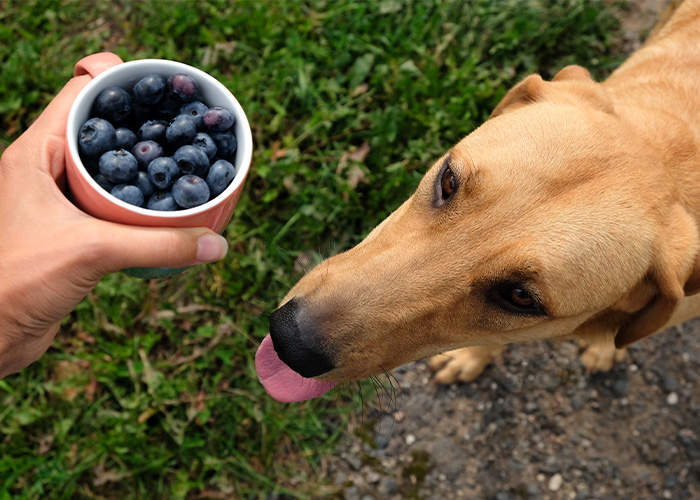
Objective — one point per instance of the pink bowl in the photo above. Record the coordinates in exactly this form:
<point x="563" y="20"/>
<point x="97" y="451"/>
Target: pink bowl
<point x="107" y="69"/>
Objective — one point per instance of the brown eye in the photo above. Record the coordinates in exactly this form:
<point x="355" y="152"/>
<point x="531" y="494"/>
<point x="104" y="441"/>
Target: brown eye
<point x="516" y="299"/>
<point x="448" y="183"/>
<point x="521" y="298"/>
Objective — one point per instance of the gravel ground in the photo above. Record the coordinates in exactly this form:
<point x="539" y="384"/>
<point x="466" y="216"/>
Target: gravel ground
<point x="535" y="425"/>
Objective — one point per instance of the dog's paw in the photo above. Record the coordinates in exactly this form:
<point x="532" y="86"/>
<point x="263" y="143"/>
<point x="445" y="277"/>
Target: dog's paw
<point x="462" y="365"/>
<point x="601" y="357"/>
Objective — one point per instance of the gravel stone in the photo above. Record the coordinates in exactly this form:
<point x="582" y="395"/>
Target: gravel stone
<point x="352" y="493"/>
<point x="387" y="486"/>
<point x="555" y="482"/>
<point x="670" y="384"/>
<point x="621" y="388"/>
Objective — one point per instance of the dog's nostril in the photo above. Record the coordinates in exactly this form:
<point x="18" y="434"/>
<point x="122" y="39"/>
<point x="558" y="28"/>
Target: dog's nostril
<point x="294" y="347"/>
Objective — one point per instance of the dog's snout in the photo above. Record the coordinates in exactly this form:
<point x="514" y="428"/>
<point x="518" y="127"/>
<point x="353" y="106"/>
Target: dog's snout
<point x="297" y="347"/>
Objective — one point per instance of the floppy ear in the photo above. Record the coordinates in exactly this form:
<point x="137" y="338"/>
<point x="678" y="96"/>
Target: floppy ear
<point x="573" y="72"/>
<point x="530" y="90"/>
<point x="674" y="273"/>
<point x="573" y="84"/>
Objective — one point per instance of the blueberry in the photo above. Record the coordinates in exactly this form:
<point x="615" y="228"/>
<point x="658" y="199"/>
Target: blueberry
<point x="181" y="131"/>
<point x="118" y="166"/>
<point x="196" y="110"/>
<point x="128" y="193"/>
<point x="183" y="87"/>
<point x="113" y="104"/>
<point x="125" y="139"/>
<point x="145" y="152"/>
<point x="226" y="143"/>
<point x="149" y="90"/>
<point x="218" y="119"/>
<point x="162" y="200"/>
<point x="191" y="160"/>
<point x="190" y="191"/>
<point x="168" y="108"/>
<point x="97" y="136"/>
<point x="205" y="143"/>
<point x="140" y="114"/>
<point x="219" y="177"/>
<point x="103" y="182"/>
<point x="143" y="183"/>
<point x="163" y="172"/>
<point x="153" y="130"/>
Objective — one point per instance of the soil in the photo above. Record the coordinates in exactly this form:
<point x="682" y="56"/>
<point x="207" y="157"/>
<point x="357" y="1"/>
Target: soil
<point x="535" y="425"/>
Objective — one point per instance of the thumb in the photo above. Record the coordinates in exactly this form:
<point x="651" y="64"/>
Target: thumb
<point x="117" y="246"/>
<point x="52" y="120"/>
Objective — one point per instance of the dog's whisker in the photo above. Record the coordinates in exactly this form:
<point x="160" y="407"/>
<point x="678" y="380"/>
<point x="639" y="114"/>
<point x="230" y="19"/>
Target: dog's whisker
<point x="362" y="402"/>
<point x="391" y="395"/>
<point x="389" y="391"/>
<point x="390" y="411"/>
<point x="377" y="392"/>
<point x="390" y="376"/>
<point x="299" y="262"/>
<point x="341" y="392"/>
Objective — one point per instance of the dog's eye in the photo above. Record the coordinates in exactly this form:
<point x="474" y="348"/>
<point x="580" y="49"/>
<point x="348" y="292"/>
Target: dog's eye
<point x="521" y="298"/>
<point x="448" y="184"/>
<point x="517" y="299"/>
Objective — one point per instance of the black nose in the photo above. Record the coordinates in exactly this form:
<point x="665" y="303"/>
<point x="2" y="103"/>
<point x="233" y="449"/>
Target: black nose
<point x="297" y="347"/>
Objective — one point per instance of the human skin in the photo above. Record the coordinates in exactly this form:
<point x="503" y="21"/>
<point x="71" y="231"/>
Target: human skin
<point x="52" y="254"/>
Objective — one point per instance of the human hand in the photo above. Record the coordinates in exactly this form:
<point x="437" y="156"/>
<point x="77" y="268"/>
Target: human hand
<point x="52" y="254"/>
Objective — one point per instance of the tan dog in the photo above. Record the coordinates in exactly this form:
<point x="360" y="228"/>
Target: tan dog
<point x="573" y="211"/>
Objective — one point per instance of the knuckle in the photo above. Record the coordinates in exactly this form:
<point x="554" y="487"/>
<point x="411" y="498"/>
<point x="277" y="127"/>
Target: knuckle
<point x="173" y="243"/>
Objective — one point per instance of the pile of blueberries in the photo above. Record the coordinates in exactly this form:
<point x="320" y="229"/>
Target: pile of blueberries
<point x="158" y="145"/>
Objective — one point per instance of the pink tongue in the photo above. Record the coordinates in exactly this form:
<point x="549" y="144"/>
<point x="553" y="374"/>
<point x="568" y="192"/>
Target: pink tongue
<point x="283" y="383"/>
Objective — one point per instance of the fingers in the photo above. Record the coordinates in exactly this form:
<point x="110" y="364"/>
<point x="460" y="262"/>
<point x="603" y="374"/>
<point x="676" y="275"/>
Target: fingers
<point x="111" y="247"/>
<point x="43" y="143"/>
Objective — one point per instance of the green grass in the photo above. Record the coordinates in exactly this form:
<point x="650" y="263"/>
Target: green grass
<point x="149" y="391"/>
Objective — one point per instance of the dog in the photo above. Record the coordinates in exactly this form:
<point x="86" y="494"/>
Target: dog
<point x="573" y="211"/>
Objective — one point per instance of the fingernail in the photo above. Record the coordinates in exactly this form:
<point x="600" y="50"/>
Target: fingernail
<point x="211" y="247"/>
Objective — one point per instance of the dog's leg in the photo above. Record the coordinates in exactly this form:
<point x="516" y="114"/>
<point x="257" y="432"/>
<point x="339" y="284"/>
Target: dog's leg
<point x="463" y="365"/>
<point x="601" y="357"/>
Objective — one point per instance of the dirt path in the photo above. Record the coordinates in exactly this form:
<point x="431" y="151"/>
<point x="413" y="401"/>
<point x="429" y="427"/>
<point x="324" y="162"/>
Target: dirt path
<point x="535" y="426"/>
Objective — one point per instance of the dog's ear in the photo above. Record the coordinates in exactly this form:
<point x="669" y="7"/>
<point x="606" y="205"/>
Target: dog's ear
<point x="674" y="273"/>
<point x="572" y="84"/>
<point x="530" y="90"/>
<point x="573" y="72"/>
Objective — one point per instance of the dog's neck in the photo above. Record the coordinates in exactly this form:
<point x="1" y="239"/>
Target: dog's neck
<point x="665" y="109"/>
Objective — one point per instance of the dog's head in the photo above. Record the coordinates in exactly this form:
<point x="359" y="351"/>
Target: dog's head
<point x="552" y="218"/>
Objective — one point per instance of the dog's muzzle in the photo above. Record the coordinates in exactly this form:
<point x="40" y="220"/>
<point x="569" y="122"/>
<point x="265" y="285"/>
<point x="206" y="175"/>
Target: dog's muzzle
<point x="296" y="346"/>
